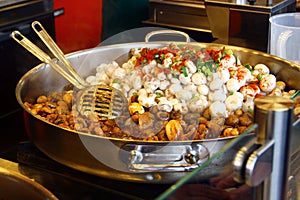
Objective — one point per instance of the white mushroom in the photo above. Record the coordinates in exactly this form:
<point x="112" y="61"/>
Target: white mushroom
<point x="147" y="100"/>
<point x="234" y="101"/>
<point x="190" y="87"/>
<point x="111" y="68"/>
<point x="147" y="69"/>
<point x="267" y="83"/>
<point x="168" y="60"/>
<point x="243" y="75"/>
<point x="184" y="95"/>
<point x="134" y="80"/>
<point x="128" y="66"/>
<point x="119" y="73"/>
<point x="181" y="107"/>
<point x="175" y="88"/>
<point x="203" y="89"/>
<point x="190" y="66"/>
<point x="218" y="109"/>
<point x="233" y="85"/>
<point x="275" y="92"/>
<point x="152" y="85"/>
<point x="199" y="78"/>
<point x="102" y="77"/>
<point x="175" y="80"/>
<point x="250" y="91"/>
<point x="248" y="105"/>
<point x="216" y="84"/>
<point x="184" y="79"/>
<point x="217" y="95"/>
<point x="198" y="104"/>
<point x="228" y="62"/>
<point x="224" y="74"/>
<point x="164" y="84"/>
<point x="161" y="76"/>
<point x="101" y="68"/>
<point x="262" y="69"/>
<point x="164" y="104"/>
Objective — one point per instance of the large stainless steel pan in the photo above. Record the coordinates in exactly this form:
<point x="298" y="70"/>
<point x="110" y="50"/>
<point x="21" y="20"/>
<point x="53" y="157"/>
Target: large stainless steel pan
<point x="126" y="160"/>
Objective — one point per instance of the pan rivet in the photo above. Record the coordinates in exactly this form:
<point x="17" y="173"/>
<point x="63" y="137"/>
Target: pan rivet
<point x="191" y="156"/>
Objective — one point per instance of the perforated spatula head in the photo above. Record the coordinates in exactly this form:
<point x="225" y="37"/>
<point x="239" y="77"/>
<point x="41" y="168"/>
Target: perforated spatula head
<point x="104" y="101"/>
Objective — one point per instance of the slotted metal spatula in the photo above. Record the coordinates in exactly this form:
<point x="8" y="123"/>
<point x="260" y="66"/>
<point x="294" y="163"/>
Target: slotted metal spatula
<point x="104" y="101"/>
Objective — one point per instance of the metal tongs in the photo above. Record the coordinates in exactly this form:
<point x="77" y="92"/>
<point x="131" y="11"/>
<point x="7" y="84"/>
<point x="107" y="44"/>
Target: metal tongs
<point x="70" y="74"/>
<point x="104" y="101"/>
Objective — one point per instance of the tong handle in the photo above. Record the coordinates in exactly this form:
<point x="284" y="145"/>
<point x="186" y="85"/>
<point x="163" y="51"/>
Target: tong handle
<point x="56" y="51"/>
<point x="41" y="55"/>
<point x="32" y="48"/>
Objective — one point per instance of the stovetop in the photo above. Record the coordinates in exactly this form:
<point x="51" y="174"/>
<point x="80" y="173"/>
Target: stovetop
<point x="67" y="183"/>
<point x="20" y="155"/>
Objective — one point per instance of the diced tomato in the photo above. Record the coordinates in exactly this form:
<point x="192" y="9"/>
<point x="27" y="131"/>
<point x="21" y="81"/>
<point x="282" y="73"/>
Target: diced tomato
<point x="259" y="95"/>
<point x="226" y="57"/>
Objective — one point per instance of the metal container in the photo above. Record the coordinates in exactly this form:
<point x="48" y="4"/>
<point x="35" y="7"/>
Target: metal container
<point x="16" y="186"/>
<point x="127" y="160"/>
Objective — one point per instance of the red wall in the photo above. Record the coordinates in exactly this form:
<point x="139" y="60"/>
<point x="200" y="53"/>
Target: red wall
<point x="80" y="26"/>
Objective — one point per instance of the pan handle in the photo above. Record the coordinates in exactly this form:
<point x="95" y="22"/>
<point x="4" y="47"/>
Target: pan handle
<point x="159" y="158"/>
<point x="167" y="32"/>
